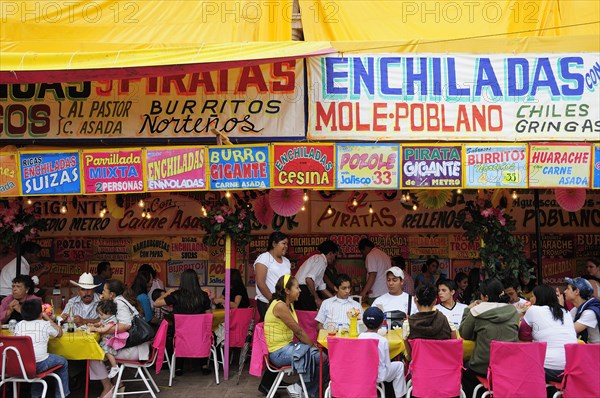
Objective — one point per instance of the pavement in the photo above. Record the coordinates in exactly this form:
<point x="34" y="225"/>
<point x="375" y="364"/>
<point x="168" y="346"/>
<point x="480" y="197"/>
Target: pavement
<point x="191" y="384"/>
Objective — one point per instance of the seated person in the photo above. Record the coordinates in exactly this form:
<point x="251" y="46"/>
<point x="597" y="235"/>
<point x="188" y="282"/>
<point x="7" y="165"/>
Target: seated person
<point x="388" y="371"/>
<point x="485" y="320"/>
<point x="238" y="295"/>
<point x="452" y="309"/>
<point x="511" y="290"/>
<point x="428" y="323"/>
<point x="334" y="309"/>
<point x="586" y="313"/>
<point x="161" y="312"/>
<point x="396" y="304"/>
<point x="83" y="306"/>
<point x="409" y="283"/>
<point x="38" y="325"/>
<point x="547" y="321"/>
<point x="22" y="290"/>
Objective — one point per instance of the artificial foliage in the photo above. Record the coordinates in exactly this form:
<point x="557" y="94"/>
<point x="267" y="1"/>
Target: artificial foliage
<point x="501" y="252"/>
<point x="18" y="223"/>
<point x="234" y="220"/>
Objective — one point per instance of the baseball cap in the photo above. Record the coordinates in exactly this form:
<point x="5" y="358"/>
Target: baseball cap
<point x="373" y="317"/>
<point x="396" y="271"/>
<point x="585" y="287"/>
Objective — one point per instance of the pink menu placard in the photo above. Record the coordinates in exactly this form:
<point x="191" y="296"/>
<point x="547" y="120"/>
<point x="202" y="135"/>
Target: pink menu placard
<point x="113" y="171"/>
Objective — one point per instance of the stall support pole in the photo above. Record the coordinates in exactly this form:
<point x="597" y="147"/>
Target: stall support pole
<point x="538" y="235"/>
<point x="229" y="259"/>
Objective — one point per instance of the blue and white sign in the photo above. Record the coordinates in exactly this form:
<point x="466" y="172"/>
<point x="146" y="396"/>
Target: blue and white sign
<point x="50" y="173"/>
<point x="596" y="164"/>
<point x="239" y="167"/>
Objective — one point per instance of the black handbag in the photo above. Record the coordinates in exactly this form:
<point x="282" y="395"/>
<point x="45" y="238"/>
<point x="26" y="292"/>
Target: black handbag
<point x="140" y="330"/>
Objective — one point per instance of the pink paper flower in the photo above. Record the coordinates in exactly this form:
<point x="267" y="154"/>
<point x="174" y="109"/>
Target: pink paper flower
<point x="487" y="212"/>
<point x="219" y="219"/>
<point x="18" y="228"/>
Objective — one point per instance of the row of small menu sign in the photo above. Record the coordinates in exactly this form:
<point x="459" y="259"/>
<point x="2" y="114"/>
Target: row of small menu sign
<point x="300" y="165"/>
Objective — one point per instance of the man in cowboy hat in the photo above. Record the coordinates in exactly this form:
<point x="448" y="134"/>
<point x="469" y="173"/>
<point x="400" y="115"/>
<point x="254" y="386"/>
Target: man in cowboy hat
<point x="83" y="306"/>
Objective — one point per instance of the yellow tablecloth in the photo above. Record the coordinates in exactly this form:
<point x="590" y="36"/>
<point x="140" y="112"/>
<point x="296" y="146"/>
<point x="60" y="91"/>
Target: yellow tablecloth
<point x="394" y="338"/>
<point x="218" y="317"/>
<point x="78" y="345"/>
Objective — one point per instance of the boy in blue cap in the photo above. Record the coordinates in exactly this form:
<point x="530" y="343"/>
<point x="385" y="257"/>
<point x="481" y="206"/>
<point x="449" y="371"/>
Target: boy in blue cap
<point x="388" y="371"/>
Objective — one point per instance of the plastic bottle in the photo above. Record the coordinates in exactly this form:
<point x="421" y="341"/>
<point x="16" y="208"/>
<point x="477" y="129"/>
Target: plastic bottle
<point x="63" y="302"/>
<point x="340" y="329"/>
<point x="384" y="325"/>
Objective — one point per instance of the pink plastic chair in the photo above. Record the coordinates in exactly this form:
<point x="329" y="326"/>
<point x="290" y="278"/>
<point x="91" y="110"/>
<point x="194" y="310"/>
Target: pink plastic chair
<point x="435" y="375"/>
<point x="516" y="370"/>
<point x="260" y="360"/>
<point x="353" y="366"/>
<point x="239" y="322"/>
<point x="141" y="367"/>
<point x="306" y="319"/>
<point x="581" y="371"/>
<point x="194" y="339"/>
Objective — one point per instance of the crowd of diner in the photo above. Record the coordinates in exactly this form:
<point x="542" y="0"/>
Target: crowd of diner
<point x="430" y="306"/>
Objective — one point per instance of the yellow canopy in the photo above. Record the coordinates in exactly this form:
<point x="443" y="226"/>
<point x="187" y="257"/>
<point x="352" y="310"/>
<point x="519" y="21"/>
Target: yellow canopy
<point x="71" y="38"/>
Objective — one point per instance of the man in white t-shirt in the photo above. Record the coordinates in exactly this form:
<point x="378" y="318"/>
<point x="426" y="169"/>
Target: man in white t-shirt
<point x="453" y="310"/>
<point x="395" y="299"/>
<point x="511" y="290"/>
<point x="29" y="253"/>
<point x="310" y="277"/>
<point x="587" y="309"/>
<point x="377" y="263"/>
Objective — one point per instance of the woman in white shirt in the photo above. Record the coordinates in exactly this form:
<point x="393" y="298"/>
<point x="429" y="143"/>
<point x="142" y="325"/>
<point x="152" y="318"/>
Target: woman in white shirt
<point x="547" y="321"/>
<point x="268" y="268"/>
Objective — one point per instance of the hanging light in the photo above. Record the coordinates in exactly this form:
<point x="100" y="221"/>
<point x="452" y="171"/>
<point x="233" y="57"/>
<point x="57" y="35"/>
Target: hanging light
<point x="29" y="201"/>
<point x="63" y="208"/>
<point x="141" y="203"/>
<point x="329" y="210"/>
<point x="459" y="191"/>
<point x="514" y="195"/>
<point x="303" y="208"/>
<point x="305" y="197"/>
<point x="370" y="209"/>
<point x="403" y="198"/>
<point x="415" y="207"/>
<point x="103" y="212"/>
<point x="148" y="215"/>
<point x="228" y="194"/>
<point x="144" y="213"/>
<point x="354" y="202"/>
<point x="407" y="196"/>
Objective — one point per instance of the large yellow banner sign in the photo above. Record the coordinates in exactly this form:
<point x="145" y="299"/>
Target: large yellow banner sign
<point x="259" y="101"/>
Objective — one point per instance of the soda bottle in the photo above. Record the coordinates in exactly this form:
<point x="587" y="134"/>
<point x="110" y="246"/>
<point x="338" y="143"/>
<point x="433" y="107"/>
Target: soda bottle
<point x="385" y="323"/>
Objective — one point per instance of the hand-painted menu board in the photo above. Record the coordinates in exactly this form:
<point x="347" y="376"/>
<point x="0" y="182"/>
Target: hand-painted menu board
<point x="9" y="178"/>
<point x="50" y="173"/>
<point x="367" y="166"/>
<point x="239" y="167"/>
<point x="596" y="171"/>
<point x="559" y="165"/>
<point x="116" y="170"/>
<point x="432" y="166"/>
<point x="492" y="166"/>
<point x="176" y="169"/>
<point x="303" y="166"/>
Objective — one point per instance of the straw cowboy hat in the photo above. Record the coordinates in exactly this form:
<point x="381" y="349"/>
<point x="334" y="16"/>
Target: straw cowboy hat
<point x="86" y="281"/>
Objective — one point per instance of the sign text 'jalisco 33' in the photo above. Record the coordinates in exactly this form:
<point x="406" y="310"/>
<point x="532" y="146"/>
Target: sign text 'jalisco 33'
<point x="252" y="102"/>
<point x="496" y="97"/>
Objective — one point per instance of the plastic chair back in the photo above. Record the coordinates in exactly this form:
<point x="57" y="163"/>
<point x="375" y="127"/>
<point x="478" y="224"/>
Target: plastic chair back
<point x="11" y="366"/>
<point x="436" y="367"/>
<point x="193" y="335"/>
<point x="259" y="350"/>
<point x="239" y="322"/>
<point x="306" y="319"/>
<point x="582" y="375"/>
<point x="353" y="366"/>
<point x="160" y="340"/>
<point x="517" y="369"/>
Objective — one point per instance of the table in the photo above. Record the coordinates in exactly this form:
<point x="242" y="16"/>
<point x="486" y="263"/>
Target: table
<point x="77" y="346"/>
<point x="218" y="318"/>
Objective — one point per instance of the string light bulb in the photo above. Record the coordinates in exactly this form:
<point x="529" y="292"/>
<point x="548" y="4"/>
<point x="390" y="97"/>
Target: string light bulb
<point x="63" y="208"/>
<point x="459" y="191"/>
<point x="305" y="197"/>
<point x="144" y="213"/>
<point x="514" y="195"/>
<point x="228" y="194"/>
<point x="148" y="215"/>
<point x="29" y="201"/>
<point x="329" y="210"/>
<point x="370" y="209"/>
<point x="303" y="208"/>
<point x="407" y="196"/>
<point x="141" y="203"/>
<point x="415" y="207"/>
<point x="103" y="212"/>
<point x="354" y="202"/>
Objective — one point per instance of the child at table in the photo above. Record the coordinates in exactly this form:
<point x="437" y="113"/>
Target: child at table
<point x="107" y="310"/>
<point x="388" y="371"/>
<point x="334" y="310"/>
<point x="40" y="327"/>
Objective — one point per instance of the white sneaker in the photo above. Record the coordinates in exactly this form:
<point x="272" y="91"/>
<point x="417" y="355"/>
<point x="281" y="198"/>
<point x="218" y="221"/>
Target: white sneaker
<point x="294" y="390"/>
<point x="113" y="372"/>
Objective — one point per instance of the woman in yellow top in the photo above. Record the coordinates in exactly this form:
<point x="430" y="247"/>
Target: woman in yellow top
<point x="281" y="325"/>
